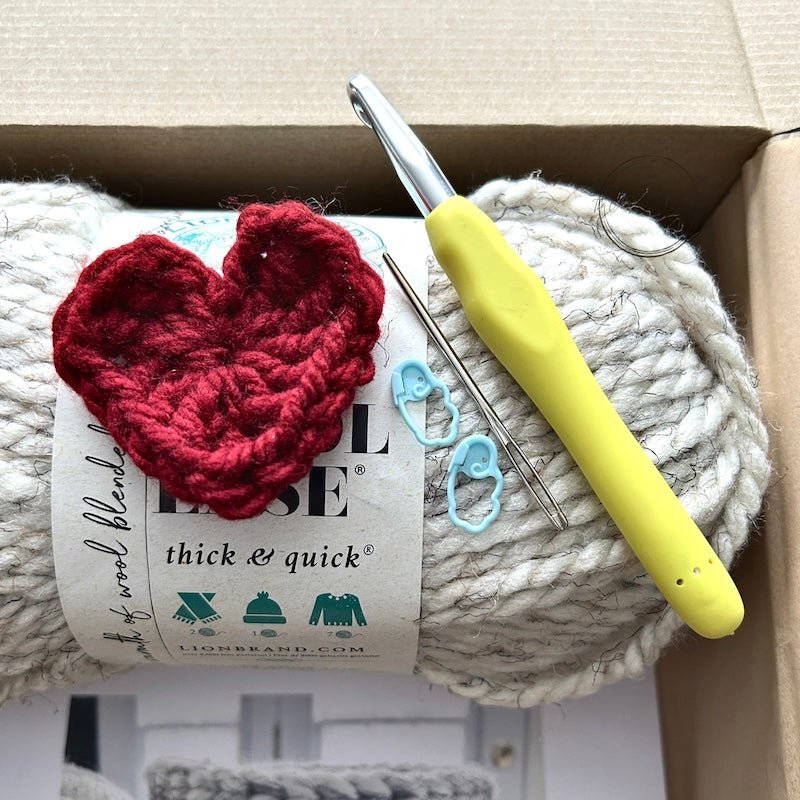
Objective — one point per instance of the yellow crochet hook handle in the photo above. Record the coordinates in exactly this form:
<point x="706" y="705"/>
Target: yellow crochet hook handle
<point x="511" y="311"/>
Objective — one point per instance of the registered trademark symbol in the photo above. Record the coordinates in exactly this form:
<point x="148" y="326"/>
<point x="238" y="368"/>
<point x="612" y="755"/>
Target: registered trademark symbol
<point x="360" y="469"/>
<point x="368" y="549"/>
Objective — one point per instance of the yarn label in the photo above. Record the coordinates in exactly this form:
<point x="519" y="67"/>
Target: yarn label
<point x="328" y="576"/>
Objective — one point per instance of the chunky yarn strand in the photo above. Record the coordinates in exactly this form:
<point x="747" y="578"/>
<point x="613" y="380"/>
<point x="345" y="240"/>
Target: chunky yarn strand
<point x="521" y="614"/>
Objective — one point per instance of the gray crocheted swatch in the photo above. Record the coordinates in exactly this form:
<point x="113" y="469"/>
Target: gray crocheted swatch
<point x="78" y="783"/>
<point x="170" y="780"/>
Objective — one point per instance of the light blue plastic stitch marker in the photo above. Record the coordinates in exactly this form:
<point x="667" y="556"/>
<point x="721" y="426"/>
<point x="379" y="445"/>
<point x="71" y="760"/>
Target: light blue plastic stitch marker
<point x="413" y="381"/>
<point x="476" y="457"/>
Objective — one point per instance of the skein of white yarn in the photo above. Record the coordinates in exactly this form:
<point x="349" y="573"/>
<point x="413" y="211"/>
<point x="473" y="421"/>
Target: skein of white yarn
<point x="521" y="614"/>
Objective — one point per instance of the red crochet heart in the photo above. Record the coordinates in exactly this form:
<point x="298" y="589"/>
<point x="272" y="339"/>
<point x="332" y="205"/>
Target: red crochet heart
<point x="225" y="388"/>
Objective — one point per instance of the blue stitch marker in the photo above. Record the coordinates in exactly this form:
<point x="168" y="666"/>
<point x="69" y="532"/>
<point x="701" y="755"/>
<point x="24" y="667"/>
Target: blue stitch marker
<point x="412" y="381"/>
<point x="476" y="457"/>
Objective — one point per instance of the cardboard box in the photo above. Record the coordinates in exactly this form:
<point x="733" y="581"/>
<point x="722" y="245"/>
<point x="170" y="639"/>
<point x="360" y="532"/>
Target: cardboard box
<point x="185" y="104"/>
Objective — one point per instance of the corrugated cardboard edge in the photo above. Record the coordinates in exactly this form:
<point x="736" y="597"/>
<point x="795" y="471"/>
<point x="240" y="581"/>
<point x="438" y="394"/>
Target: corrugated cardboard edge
<point x="555" y="62"/>
<point x="769" y="31"/>
<point x="731" y="709"/>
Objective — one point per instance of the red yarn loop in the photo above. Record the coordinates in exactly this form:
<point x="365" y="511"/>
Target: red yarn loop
<point x="225" y="388"/>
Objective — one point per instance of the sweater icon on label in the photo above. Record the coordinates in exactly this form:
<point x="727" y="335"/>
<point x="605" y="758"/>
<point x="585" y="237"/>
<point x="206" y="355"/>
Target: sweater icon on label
<point x="337" y="610"/>
<point x="196" y="606"/>
<point x="263" y="610"/>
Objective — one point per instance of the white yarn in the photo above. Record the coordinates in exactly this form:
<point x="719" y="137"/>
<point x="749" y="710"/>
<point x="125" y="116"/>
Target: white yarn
<point x="45" y="232"/>
<point x="78" y="783"/>
<point x="520" y="614"/>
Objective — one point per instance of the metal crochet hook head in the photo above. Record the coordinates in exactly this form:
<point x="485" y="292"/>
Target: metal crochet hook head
<point x="521" y="463"/>
<point x="419" y="173"/>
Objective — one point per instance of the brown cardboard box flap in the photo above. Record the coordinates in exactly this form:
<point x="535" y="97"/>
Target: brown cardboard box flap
<point x="175" y="62"/>
<point x="769" y="34"/>
<point x="187" y="103"/>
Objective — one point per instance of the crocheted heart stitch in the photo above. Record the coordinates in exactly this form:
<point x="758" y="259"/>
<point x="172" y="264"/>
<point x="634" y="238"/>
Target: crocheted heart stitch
<point x="225" y="388"/>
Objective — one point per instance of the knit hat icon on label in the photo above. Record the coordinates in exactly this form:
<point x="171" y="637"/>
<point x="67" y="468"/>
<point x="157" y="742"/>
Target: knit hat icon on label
<point x="263" y="610"/>
<point x="337" y="610"/>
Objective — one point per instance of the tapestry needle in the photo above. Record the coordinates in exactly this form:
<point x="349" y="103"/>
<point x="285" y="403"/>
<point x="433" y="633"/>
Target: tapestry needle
<point x="516" y="455"/>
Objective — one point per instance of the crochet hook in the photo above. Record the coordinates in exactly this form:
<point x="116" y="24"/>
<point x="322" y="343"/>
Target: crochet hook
<point x="516" y="455"/>
<point x="509" y="308"/>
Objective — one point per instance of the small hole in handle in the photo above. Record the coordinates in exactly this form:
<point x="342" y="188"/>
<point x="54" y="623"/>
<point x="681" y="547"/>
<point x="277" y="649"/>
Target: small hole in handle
<point x="679" y="581"/>
<point x="696" y="571"/>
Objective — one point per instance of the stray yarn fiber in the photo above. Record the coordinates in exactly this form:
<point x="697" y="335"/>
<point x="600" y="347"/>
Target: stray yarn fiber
<point x="521" y="614"/>
<point x="225" y="388"/>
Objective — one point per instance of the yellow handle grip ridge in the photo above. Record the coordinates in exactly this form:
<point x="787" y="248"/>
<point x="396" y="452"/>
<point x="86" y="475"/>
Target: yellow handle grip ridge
<point x="510" y="309"/>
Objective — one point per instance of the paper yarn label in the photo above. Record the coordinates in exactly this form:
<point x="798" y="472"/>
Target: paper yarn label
<point x="328" y="576"/>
